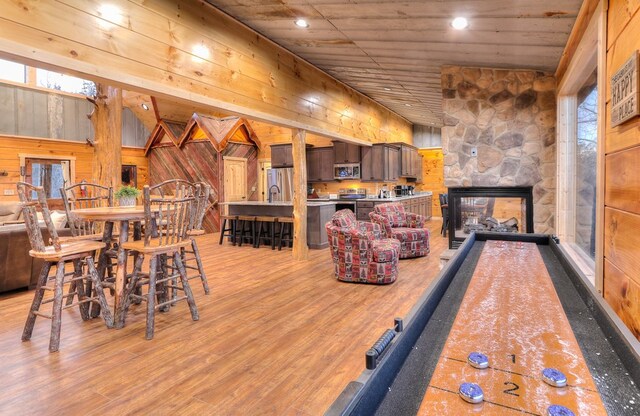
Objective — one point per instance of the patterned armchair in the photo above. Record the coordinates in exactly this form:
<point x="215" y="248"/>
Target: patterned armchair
<point x="406" y="227"/>
<point x="359" y="254"/>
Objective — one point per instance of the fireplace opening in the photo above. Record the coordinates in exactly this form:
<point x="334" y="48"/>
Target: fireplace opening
<point x="489" y="209"/>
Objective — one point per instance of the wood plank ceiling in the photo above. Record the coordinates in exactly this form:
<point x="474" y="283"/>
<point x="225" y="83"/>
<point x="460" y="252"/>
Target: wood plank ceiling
<point x="393" y="51"/>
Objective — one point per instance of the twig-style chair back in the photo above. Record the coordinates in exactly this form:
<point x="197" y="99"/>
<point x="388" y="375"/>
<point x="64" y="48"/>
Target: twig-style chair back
<point x="85" y="195"/>
<point x="175" y="214"/>
<point x="34" y="199"/>
<point x="201" y="204"/>
<point x="170" y="188"/>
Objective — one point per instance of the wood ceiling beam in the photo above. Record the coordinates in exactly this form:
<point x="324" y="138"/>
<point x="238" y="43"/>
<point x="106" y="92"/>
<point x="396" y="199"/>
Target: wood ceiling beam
<point x="152" y="50"/>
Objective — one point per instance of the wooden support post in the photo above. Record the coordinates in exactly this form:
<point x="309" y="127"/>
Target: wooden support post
<point x="107" y="126"/>
<point x="300" y="249"/>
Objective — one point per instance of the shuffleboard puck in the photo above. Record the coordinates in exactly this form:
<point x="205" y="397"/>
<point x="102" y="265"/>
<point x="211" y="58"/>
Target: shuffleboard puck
<point x="478" y="360"/>
<point x="557" y="410"/>
<point x="554" y="377"/>
<point x="471" y="392"/>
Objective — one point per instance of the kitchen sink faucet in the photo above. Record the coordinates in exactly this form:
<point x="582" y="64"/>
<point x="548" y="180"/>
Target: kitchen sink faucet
<point x="271" y="192"/>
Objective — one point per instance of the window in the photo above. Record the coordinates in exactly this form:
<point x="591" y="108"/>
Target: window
<point x="66" y="83"/>
<point x="586" y="165"/>
<point x="52" y="173"/>
<point x="580" y="151"/>
<point x="12" y="71"/>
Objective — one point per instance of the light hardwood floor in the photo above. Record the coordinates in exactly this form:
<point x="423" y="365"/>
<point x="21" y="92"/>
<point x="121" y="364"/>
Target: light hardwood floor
<point x="275" y="337"/>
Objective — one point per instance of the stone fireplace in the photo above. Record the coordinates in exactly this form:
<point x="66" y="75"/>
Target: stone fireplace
<point x="489" y="209"/>
<point x="499" y="131"/>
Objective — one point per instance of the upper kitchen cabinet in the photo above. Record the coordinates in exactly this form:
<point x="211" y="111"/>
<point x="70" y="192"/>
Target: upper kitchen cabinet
<point x="379" y="163"/>
<point x="409" y="166"/>
<point x="320" y="164"/>
<point x="281" y="156"/>
<point x="346" y="152"/>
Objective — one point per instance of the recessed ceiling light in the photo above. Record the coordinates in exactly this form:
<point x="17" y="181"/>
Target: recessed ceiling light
<point x="387" y="89"/>
<point x="459" y="23"/>
<point x="408" y="105"/>
<point x="144" y="106"/>
<point x="302" y="23"/>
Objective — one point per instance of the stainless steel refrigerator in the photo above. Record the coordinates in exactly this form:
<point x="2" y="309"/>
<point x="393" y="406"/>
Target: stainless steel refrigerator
<point x="283" y="179"/>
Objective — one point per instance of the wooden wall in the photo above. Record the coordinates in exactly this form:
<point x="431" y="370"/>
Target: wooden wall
<point x="622" y="177"/>
<point x="197" y="160"/>
<point x="190" y="50"/>
<point x="433" y="176"/>
<point x="11" y="146"/>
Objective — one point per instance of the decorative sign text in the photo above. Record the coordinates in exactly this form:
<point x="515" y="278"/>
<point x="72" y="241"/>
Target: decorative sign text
<point x="624" y="92"/>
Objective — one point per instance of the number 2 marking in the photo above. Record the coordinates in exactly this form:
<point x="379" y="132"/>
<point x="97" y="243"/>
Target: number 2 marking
<point x="513" y="358"/>
<point x="512" y="389"/>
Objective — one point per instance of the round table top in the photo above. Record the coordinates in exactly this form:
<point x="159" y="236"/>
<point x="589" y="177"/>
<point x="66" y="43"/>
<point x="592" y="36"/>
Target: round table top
<point x="111" y="213"/>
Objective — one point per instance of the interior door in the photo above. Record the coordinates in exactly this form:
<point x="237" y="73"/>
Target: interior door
<point x="235" y="179"/>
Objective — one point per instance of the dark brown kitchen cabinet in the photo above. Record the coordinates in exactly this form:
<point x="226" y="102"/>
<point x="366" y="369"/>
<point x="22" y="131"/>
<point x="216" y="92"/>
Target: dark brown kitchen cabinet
<point x="379" y="163"/>
<point x="320" y="164"/>
<point x="281" y="156"/>
<point x="346" y="152"/>
<point x="409" y="166"/>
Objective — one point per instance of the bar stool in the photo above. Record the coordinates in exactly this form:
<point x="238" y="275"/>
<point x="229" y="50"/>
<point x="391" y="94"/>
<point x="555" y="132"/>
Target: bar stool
<point x="286" y="231"/>
<point x="58" y="255"/>
<point x="266" y="231"/>
<point x="246" y="229"/>
<point x="230" y="229"/>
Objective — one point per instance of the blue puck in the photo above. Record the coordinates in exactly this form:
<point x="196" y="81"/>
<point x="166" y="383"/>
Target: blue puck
<point x="554" y="377"/>
<point x="478" y="360"/>
<point x="557" y="410"/>
<point x="471" y="392"/>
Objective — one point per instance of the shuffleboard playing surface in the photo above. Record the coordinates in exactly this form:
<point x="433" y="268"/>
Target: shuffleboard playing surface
<point x="511" y="313"/>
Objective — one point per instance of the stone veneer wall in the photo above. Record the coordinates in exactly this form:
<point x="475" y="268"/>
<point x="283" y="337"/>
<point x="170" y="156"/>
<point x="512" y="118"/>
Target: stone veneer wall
<point x="509" y="117"/>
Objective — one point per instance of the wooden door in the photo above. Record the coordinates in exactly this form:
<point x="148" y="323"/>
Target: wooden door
<point x="392" y="162"/>
<point x="235" y="179"/>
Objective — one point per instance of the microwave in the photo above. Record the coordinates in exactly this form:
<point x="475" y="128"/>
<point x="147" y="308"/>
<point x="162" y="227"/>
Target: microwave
<point x="346" y="171"/>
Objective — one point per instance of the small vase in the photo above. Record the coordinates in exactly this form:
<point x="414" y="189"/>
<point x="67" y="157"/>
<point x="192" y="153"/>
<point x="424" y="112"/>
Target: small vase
<point x="128" y="201"/>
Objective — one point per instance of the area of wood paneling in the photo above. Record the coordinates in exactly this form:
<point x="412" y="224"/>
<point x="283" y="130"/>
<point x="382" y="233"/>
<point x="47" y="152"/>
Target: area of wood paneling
<point x="623" y="294"/>
<point x="275" y="337"/>
<point x="10" y="147"/>
<point x="621" y="241"/>
<point x="392" y="51"/>
<point x="192" y="51"/>
<point x="433" y="176"/>
<point x="623" y="180"/>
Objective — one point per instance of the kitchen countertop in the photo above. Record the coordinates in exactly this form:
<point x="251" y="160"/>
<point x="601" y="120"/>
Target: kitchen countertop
<point x="323" y="202"/>
<point x="398" y="198"/>
<point x="315" y="203"/>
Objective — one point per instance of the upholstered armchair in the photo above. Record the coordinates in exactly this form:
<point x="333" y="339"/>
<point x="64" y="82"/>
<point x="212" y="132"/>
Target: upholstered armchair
<point x="406" y="227"/>
<point x="358" y="251"/>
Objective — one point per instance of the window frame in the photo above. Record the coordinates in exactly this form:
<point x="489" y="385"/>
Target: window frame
<point x="589" y="55"/>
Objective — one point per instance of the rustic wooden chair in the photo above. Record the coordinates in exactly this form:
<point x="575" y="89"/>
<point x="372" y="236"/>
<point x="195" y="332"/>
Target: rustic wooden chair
<point x="165" y="235"/>
<point x="85" y="195"/>
<point x="201" y="205"/>
<point x="89" y="195"/>
<point x="201" y="191"/>
<point x="80" y="253"/>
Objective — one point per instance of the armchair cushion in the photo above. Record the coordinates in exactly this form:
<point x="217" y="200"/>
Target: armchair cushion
<point x="10" y="211"/>
<point x="385" y="250"/>
<point x="410" y="234"/>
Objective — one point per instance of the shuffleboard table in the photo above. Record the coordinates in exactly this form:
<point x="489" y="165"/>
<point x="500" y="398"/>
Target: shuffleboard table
<point x="519" y="303"/>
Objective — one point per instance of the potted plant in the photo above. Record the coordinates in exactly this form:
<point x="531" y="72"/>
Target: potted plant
<point x="127" y="195"/>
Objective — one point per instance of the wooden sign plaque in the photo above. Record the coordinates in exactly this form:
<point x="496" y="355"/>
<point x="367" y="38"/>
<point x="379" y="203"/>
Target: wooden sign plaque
<point x="624" y="92"/>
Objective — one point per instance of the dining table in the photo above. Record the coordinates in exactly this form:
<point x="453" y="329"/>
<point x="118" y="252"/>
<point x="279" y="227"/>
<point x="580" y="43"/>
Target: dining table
<point x="123" y="216"/>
